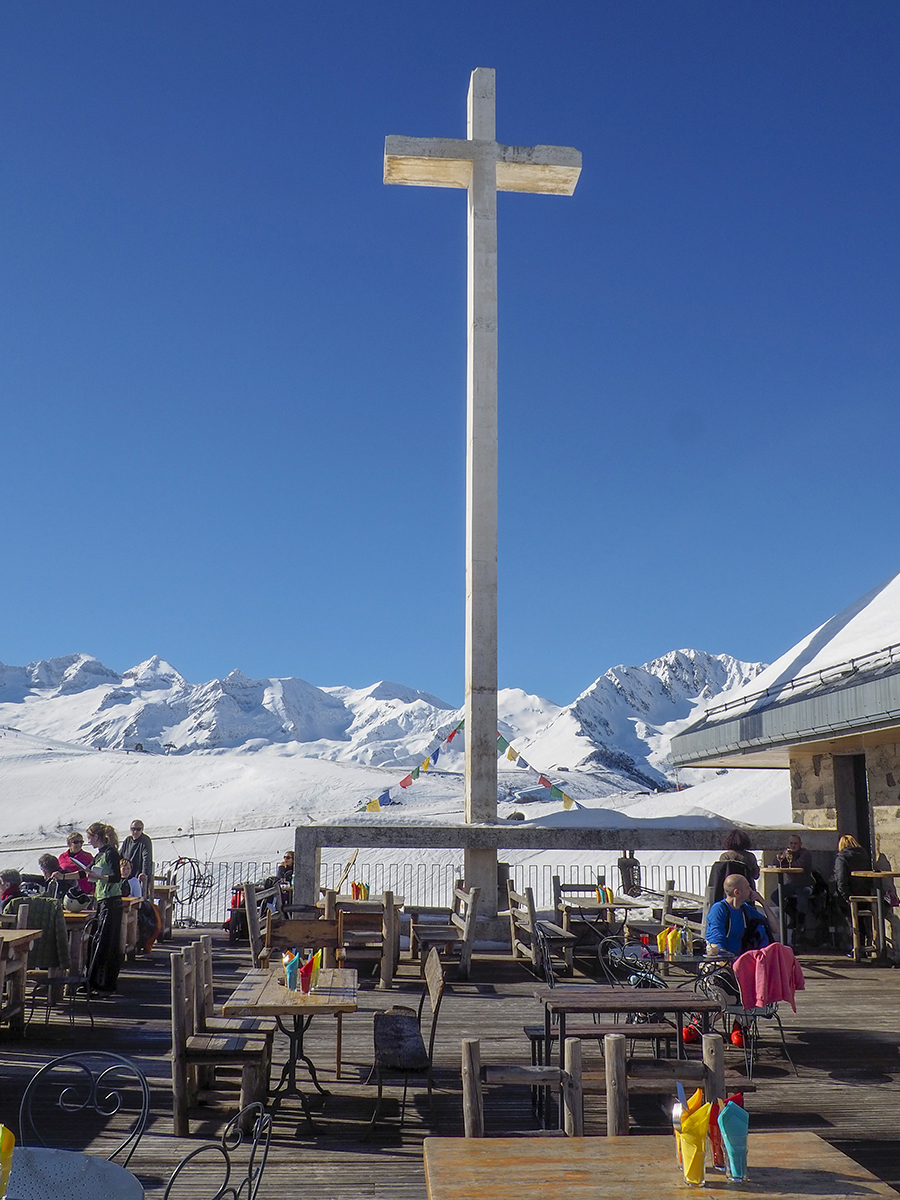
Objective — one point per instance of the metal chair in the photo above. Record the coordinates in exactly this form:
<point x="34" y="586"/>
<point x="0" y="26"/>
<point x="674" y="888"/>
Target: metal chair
<point x="72" y="986"/>
<point x="212" y="1165"/>
<point x="399" y="1045"/>
<point x="106" y="1094"/>
<point x="748" y="1019"/>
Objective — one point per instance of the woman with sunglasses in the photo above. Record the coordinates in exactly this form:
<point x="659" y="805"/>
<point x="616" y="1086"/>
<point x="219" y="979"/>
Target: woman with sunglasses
<point x="75" y="861"/>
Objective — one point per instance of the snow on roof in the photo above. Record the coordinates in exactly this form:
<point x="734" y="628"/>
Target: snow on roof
<point x="863" y="637"/>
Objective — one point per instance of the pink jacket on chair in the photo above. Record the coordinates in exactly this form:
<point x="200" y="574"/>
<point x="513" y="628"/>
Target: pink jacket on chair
<point x="767" y="975"/>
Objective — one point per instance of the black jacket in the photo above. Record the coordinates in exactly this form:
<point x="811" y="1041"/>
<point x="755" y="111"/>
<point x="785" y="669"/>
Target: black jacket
<point x="731" y="862"/>
<point x="854" y="858"/>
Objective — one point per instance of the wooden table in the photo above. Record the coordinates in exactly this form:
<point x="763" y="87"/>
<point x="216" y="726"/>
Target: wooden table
<point x="164" y="899"/>
<point x="14" y="947"/>
<point x="261" y="994"/>
<point x="599" y="998"/>
<point x="780" y="873"/>
<point x="596" y="908"/>
<point x="781" y="1165"/>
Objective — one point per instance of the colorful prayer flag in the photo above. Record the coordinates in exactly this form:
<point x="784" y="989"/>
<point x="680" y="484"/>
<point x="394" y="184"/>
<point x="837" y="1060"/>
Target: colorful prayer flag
<point x="434" y="756"/>
<point x="556" y="793"/>
<point x="385" y="797"/>
<point x="404" y="783"/>
<point x="520" y="762"/>
<point x="512" y="754"/>
<point x="373" y="806"/>
<point x="426" y="764"/>
<point x="414" y="773"/>
<point x="544" y="782"/>
<point x="452" y="736"/>
<point x="502" y="744"/>
<point x="567" y="802"/>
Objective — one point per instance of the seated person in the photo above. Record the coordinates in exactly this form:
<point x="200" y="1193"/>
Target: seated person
<point x="734" y="924"/>
<point x="736" y="859"/>
<point x="851" y="856"/>
<point x="10" y="886"/>
<point x="285" y="871"/>
<point x="130" y="885"/>
<point x="51" y="870"/>
<point x="796" y="889"/>
<point x="75" y="861"/>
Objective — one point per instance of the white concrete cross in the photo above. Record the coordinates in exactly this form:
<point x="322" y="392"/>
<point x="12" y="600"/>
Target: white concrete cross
<point x="482" y="166"/>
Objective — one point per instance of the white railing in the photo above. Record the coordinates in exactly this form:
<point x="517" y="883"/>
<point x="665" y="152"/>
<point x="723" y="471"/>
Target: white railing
<point x="205" y="889"/>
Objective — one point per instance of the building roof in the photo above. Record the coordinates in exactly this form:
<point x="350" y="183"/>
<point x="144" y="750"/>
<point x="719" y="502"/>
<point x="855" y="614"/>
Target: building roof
<point x="842" y="680"/>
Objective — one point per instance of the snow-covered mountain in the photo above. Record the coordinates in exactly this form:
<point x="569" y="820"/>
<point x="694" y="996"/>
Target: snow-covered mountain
<point x="618" y="729"/>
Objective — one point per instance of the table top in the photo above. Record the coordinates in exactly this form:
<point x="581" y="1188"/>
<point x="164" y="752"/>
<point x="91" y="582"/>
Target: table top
<point x="597" y="998"/>
<point x="40" y="1173"/>
<point x="17" y="937"/>
<point x="781" y="871"/>
<point x="168" y="888"/>
<point x="79" y="918"/>
<point x="594" y="905"/>
<point x="876" y="874"/>
<point x="640" y="1168"/>
<point x="260" y="994"/>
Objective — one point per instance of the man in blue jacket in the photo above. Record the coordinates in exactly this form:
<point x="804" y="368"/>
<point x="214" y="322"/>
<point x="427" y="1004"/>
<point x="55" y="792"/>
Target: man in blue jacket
<point x="734" y="924"/>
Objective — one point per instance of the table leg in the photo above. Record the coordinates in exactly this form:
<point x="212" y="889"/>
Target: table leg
<point x="340" y="1029"/>
<point x="780" y="890"/>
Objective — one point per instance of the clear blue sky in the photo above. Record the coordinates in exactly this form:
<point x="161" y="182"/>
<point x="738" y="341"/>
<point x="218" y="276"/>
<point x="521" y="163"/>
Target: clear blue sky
<point x="232" y="362"/>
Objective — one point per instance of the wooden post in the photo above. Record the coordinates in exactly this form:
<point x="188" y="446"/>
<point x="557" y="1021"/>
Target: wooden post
<point x="570" y="1090"/>
<point x="473" y="1099"/>
<point x="252" y="910"/>
<point x="714" y="1067"/>
<point x="616" y="1085"/>
<point x="330" y="915"/>
<point x="388" y="934"/>
<point x="22" y="916"/>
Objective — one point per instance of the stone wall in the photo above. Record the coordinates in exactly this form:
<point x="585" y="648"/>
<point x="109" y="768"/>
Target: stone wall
<point x="883" y="773"/>
<point x="812" y="790"/>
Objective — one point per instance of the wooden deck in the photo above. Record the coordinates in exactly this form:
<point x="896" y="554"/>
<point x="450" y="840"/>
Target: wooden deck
<point x="844" y="1040"/>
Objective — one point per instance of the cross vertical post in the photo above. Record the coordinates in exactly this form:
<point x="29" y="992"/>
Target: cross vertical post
<point x="482" y="166"/>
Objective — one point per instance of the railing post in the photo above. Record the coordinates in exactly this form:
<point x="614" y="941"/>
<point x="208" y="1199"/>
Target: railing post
<point x="616" y="1085"/>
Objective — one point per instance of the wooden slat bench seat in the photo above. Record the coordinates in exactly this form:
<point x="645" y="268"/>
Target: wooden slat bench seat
<point x="523" y="921"/>
<point x="191" y="1049"/>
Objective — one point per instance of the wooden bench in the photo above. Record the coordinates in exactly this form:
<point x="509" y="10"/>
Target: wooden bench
<point x="191" y="1049"/>
<point x="623" y="1077"/>
<point x="567" y="1079"/>
<point x="562" y="890"/>
<point x="522" y="923"/>
<point x="650" y="1031"/>
<point x="369" y="930"/>
<point x="457" y="938"/>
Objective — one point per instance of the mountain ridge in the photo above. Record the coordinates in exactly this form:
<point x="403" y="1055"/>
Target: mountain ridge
<point x="618" y="728"/>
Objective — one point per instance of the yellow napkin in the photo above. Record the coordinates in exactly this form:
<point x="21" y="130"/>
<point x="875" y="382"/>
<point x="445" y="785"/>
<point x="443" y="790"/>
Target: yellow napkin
<point x="694" y="1130"/>
<point x="661" y="940"/>
<point x="7" y="1144"/>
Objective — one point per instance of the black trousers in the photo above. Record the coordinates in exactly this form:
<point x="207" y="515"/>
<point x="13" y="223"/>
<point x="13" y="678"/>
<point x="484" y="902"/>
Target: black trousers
<point x="106" y="956"/>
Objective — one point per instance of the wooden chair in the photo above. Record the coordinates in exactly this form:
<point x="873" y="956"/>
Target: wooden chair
<point x="192" y="1049"/>
<point x="562" y="890"/>
<point x="205" y="1019"/>
<point x="456" y="939"/>
<point x="567" y="1079"/>
<point x="522" y="925"/>
<point x="297" y="933"/>
<point x="399" y="1043"/>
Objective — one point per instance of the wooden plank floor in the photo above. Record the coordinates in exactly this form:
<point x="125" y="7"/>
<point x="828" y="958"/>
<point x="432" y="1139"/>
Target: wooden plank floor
<point x="844" y="1040"/>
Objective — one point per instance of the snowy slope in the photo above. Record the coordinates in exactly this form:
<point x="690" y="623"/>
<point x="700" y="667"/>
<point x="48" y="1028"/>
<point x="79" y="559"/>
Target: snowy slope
<point x="251" y="757"/>
<point x="626" y="719"/>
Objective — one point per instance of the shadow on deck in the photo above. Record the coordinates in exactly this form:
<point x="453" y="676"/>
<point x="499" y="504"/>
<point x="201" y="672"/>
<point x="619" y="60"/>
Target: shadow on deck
<point x="844" y="1040"/>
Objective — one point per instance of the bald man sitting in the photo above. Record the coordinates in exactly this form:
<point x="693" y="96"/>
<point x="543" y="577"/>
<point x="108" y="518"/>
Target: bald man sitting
<point x="735" y="924"/>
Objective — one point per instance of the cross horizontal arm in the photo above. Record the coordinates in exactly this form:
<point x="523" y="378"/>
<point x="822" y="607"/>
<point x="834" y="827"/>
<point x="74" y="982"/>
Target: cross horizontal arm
<point x="428" y="162"/>
<point x="447" y="162"/>
<point x="552" y="169"/>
